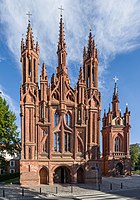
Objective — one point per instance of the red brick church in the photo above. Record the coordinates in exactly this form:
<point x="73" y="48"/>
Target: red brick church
<point x="60" y="125"/>
<point x="115" y="139"/>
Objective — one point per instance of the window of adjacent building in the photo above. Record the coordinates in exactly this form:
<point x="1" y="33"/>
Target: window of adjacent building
<point x="117" y="144"/>
<point x="12" y="171"/>
<point x="67" y="141"/>
<point x="57" y="146"/>
<point x="56" y="118"/>
<point x="12" y="163"/>
<point x="68" y="119"/>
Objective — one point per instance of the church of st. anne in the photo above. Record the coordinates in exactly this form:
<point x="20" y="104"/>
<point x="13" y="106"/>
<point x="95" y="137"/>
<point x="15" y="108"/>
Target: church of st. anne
<point x="60" y="125"/>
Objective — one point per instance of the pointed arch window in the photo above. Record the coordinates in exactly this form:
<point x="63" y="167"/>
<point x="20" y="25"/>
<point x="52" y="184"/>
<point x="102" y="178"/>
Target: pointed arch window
<point x="30" y="153"/>
<point x="34" y="70"/>
<point x="117" y="144"/>
<point x="68" y="119"/>
<point x="45" y="145"/>
<point x="24" y="69"/>
<point x="56" y="118"/>
<point x="93" y="74"/>
<point x="57" y="145"/>
<point x="67" y="142"/>
<point x="88" y="76"/>
<point x="29" y="67"/>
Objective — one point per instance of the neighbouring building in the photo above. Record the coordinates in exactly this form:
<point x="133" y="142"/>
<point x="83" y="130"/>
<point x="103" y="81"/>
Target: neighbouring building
<point x="115" y="139"/>
<point x="60" y="125"/>
<point x="9" y="163"/>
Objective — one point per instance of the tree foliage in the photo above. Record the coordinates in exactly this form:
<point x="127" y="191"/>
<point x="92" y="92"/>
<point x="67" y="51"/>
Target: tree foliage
<point x="134" y="151"/>
<point x="9" y="139"/>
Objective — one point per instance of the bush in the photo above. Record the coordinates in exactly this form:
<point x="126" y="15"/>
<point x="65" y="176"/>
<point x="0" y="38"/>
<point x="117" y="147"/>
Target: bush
<point x="4" y="177"/>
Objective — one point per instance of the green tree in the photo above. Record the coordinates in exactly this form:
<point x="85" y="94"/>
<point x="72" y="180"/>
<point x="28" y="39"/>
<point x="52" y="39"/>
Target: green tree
<point x="134" y="151"/>
<point x="4" y="164"/>
<point x="9" y="139"/>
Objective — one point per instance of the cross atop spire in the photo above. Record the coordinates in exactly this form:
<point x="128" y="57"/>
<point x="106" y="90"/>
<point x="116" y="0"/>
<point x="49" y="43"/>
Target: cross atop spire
<point x="115" y="79"/>
<point x="61" y="10"/>
<point x="29" y="15"/>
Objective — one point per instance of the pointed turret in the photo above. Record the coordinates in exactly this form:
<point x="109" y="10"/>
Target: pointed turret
<point x="61" y="52"/>
<point x="89" y="49"/>
<point x="84" y="53"/>
<point x="115" y="99"/>
<point x="37" y="48"/>
<point x="43" y="75"/>
<point x="29" y="57"/>
<point x="81" y="76"/>
<point x="61" y="41"/>
<point x="29" y="38"/>
<point x="104" y="113"/>
<point x="115" y="94"/>
<point x="126" y="110"/>
<point x="22" y="44"/>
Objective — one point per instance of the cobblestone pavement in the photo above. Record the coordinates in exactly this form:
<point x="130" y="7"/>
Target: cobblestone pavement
<point x="108" y="186"/>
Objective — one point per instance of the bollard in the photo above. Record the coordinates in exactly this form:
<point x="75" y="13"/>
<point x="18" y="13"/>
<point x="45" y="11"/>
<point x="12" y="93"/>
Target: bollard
<point x="71" y="189"/>
<point x="22" y="191"/>
<point x="121" y="185"/>
<point x="110" y="186"/>
<point x="40" y="190"/>
<point x="3" y="193"/>
<point x="56" y="190"/>
<point x="99" y="188"/>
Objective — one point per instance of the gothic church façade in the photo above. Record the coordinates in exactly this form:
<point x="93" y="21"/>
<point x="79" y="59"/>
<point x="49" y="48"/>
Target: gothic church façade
<point x="60" y="125"/>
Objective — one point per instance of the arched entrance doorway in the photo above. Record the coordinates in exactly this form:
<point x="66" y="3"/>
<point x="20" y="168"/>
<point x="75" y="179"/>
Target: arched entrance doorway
<point x="43" y="176"/>
<point x="80" y="175"/>
<point x="119" y="168"/>
<point x="62" y="175"/>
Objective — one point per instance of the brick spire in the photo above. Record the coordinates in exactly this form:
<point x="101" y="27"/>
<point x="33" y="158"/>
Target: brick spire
<point x="61" y="41"/>
<point x="29" y="37"/>
<point x="44" y="73"/>
<point x="61" y="52"/>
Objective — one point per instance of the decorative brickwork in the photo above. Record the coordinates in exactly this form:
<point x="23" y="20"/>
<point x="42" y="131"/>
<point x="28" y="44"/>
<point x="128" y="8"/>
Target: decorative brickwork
<point x="115" y="133"/>
<point x="60" y="125"/>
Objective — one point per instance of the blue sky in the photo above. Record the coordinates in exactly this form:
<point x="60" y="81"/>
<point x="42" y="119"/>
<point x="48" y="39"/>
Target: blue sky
<point x="116" y="26"/>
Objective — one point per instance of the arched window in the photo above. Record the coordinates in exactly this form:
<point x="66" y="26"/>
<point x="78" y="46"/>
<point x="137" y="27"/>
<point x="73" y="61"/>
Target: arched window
<point x="68" y="119"/>
<point x="93" y="74"/>
<point x="80" y="148"/>
<point x="45" y="145"/>
<point x="24" y="69"/>
<point x="56" y="118"/>
<point x="117" y="144"/>
<point x="79" y="114"/>
<point x="118" y="122"/>
<point x="88" y="76"/>
<point x="57" y="146"/>
<point x="30" y="153"/>
<point x="67" y="141"/>
<point x="34" y="70"/>
<point x="29" y="67"/>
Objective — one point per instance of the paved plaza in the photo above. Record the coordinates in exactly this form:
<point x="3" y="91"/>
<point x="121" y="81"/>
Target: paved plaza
<point x="111" y="188"/>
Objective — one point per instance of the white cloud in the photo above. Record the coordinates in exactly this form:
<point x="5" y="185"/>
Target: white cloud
<point x="115" y="24"/>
